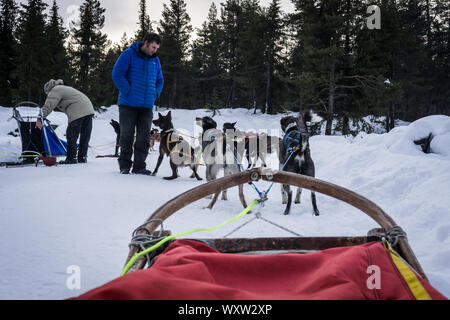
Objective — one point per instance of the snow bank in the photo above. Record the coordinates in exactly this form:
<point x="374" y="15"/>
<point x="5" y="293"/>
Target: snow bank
<point x="401" y="139"/>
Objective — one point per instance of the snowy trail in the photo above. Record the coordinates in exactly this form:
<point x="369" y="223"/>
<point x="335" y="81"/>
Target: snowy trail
<point x="83" y="215"/>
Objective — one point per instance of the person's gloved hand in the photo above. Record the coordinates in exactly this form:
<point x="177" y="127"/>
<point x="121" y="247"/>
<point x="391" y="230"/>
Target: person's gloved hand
<point x="39" y="124"/>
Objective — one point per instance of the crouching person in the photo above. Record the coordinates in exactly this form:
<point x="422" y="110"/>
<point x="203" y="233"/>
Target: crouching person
<point x="79" y="110"/>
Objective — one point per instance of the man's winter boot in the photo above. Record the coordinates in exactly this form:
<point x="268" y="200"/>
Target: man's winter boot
<point x="69" y="161"/>
<point x="144" y="172"/>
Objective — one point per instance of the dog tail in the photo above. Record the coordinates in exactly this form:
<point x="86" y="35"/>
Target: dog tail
<point x="311" y="116"/>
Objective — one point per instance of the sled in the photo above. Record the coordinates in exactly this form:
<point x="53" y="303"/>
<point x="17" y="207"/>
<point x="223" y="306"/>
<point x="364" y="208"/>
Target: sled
<point x="37" y="144"/>
<point x="380" y="265"/>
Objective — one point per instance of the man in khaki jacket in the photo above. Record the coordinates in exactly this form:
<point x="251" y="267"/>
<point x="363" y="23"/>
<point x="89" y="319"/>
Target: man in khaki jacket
<point x="79" y="110"/>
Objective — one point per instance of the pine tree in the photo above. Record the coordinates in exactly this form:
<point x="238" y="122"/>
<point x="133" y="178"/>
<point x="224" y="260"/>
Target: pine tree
<point x="207" y="65"/>
<point x="175" y="30"/>
<point x="250" y="67"/>
<point x="377" y="54"/>
<point x="326" y="55"/>
<point x="87" y="47"/>
<point x="439" y="48"/>
<point x="34" y="67"/>
<point x="56" y="36"/>
<point x="412" y="68"/>
<point x="273" y="35"/>
<point x="8" y="53"/>
<point x="145" y="25"/>
<point x="422" y="64"/>
<point x="322" y="48"/>
<point x="231" y="13"/>
<point x="105" y="89"/>
<point x="125" y="43"/>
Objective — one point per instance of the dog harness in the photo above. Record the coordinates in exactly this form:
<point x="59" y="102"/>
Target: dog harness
<point x="292" y="140"/>
<point x="209" y="137"/>
<point x="176" y="148"/>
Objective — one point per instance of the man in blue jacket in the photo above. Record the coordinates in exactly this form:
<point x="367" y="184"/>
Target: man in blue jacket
<point x="138" y="76"/>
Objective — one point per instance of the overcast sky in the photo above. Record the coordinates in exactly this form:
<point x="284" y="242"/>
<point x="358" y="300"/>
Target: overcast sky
<point x="122" y="15"/>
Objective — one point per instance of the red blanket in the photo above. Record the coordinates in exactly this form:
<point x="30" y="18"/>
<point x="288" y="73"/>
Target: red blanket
<point x="191" y="270"/>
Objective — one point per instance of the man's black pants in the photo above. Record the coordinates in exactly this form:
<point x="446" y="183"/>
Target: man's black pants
<point x="81" y="128"/>
<point x="139" y="120"/>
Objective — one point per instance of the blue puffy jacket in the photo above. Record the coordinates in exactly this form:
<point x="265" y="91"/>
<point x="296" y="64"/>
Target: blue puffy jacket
<point x="138" y="77"/>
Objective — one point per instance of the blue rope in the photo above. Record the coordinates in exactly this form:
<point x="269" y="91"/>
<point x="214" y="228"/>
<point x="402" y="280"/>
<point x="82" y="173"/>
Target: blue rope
<point x="284" y="165"/>
<point x="263" y="195"/>
<point x="242" y="168"/>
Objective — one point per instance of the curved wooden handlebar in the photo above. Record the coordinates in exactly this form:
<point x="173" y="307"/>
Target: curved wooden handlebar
<point x="332" y="190"/>
<point x="27" y="104"/>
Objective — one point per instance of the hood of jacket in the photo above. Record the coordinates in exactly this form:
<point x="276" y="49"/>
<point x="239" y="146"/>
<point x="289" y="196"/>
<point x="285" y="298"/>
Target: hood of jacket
<point x="51" y="84"/>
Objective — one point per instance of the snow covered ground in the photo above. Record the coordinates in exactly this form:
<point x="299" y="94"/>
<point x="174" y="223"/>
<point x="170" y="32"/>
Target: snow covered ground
<point x="83" y="215"/>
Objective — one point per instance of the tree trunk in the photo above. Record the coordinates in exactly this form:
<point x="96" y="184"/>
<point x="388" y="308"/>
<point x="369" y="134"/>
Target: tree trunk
<point x="269" y="75"/>
<point x="230" y="96"/>
<point x="174" y="91"/>
<point x="332" y="89"/>
<point x="428" y="25"/>
<point x="391" y="116"/>
<point x="345" y="125"/>
<point x="388" y="119"/>
<point x="254" y="100"/>
<point x="30" y="77"/>
<point x="233" y="93"/>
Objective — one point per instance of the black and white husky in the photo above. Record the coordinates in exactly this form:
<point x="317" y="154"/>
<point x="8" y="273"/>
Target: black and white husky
<point x="218" y="155"/>
<point x="295" y="155"/>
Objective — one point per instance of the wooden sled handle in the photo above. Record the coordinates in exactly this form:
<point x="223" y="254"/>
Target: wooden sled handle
<point x="27" y="104"/>
<point x="329" y="189"/>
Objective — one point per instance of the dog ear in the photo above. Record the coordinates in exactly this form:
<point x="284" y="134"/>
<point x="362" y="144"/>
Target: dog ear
<point x="169" y="115"/>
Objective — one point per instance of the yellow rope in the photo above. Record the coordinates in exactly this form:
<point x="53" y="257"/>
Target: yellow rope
<point x="166" y="239"/>
<point x="20" y="156"/>
<point x="419" y="292"/>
